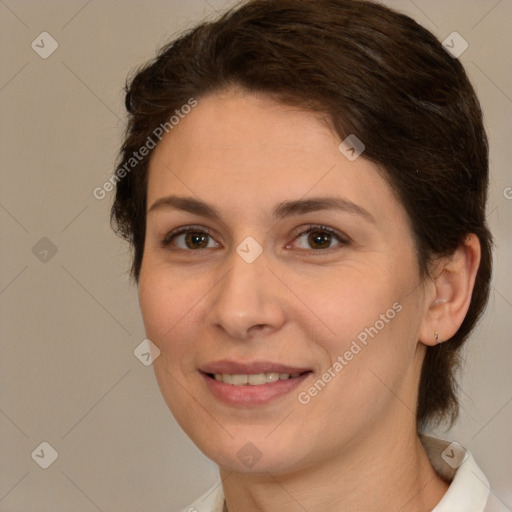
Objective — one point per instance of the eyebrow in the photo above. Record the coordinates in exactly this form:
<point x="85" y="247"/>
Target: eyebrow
<point x="281" y="211"/>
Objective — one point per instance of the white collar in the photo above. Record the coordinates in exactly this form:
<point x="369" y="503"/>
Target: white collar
<point x="468" y="491"/>
<point x="469" y="488"/>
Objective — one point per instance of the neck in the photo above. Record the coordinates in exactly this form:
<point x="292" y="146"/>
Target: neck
<point x="388" y="472"/>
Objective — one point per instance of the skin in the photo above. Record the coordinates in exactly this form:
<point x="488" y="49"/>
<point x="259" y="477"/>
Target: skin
<point x="355" y="442"/>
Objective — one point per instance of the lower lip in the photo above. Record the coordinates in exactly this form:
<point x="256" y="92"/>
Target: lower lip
<point x="248" y="395"/>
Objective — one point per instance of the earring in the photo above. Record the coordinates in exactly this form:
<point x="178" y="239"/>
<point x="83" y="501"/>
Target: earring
<point x="436" y="336"/>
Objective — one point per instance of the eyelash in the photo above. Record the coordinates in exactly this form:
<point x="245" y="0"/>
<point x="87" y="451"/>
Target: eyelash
<point x="343" y="239"/>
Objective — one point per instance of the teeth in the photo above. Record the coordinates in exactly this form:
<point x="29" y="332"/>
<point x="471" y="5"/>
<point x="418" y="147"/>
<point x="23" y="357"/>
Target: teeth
<point x="254" y="379"/>
<point x="238" y="380"/>
<point x="271" y="377"/>
<point x="257" y="379"/>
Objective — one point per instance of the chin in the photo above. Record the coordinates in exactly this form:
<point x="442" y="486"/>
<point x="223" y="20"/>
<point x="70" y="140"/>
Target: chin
<point x="251" y="454"/>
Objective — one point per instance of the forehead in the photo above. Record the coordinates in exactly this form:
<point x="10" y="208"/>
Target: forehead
<point x="247" y="152"/>
<point x="239" y="124"/>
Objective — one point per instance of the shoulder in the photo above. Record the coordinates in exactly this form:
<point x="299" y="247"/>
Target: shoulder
<point x="210" y="501"/>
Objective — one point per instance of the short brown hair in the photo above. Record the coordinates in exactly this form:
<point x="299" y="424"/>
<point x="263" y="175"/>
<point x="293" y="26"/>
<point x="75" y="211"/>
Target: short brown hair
<point x="377" y="74"/>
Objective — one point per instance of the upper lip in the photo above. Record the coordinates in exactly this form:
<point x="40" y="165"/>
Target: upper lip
<point x="251" y="367"/>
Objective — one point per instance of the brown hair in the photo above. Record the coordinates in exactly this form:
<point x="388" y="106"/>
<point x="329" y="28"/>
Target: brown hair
<point x="378" y="75"/>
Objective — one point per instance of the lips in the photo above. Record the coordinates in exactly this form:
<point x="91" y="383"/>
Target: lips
<point x="253" y="383"/>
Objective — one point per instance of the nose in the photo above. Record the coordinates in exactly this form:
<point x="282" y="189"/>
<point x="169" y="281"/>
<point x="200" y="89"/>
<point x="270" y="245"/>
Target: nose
<point x="247" y="302"/>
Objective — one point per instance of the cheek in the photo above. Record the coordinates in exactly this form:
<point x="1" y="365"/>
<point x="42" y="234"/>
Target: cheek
<point x="167" y="307"/>
<point x="351" y="301"/>
<point x="155" y="305"/>
<point x="370" y="320"/>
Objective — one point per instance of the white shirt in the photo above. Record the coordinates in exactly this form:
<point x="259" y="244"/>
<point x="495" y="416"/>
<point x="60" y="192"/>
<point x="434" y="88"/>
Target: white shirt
<point x="468" y="491"/>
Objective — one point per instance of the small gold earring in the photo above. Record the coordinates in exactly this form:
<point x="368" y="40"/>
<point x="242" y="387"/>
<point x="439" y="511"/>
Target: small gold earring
<point x="436" y="336"/>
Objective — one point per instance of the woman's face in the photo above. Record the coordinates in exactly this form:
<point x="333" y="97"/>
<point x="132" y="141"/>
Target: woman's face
<point x="298" y="261"/>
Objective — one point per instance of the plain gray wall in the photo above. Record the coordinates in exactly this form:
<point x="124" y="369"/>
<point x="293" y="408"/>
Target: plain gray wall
<point x="70" y="320"/>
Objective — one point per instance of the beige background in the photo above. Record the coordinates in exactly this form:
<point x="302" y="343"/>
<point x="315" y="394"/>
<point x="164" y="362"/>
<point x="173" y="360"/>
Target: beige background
<point x="70" y="324"/>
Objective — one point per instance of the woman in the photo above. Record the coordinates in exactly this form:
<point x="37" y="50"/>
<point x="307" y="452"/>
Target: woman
<point x="304" y="186"/>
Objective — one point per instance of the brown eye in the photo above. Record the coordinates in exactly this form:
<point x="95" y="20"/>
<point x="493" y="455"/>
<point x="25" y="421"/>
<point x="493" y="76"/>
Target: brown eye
<point x="196" y="240"/>
<point x="320" y="238"/>
<point x="189" y="239"/>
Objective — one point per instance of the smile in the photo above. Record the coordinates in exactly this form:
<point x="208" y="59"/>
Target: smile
<point x="253" y="379"/>
<point x="251" y="384"/>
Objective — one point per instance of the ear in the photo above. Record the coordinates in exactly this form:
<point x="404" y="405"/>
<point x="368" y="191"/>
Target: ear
<point x="449" y="294"/>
